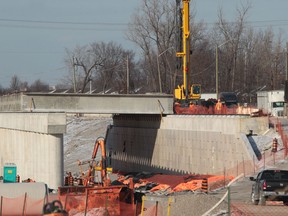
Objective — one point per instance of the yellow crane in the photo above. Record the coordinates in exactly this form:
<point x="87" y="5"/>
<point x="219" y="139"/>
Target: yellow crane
<point x="186" y="92"/>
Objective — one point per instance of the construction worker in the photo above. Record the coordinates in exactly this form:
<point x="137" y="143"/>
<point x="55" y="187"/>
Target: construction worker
<point x="218" y="107"/>
<point x="191" y="106"/>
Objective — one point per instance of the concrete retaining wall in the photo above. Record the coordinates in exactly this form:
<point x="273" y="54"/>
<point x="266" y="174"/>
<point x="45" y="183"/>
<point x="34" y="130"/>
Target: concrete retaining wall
<point x="34" y="142"/>
<point x="185" y="144"/>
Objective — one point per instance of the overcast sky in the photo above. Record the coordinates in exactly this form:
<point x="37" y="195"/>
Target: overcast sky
<point x="35" y="33"/>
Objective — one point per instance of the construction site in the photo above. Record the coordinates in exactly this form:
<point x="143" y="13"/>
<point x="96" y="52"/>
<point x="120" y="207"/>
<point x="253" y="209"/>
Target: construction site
<point x="112" y="163"/>
<point x="152" y="154"/>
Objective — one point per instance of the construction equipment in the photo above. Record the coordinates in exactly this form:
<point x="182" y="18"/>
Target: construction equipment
<point x="89" y="196"/>
<point x="186" y="92"/>
<point x="96" y="165"/>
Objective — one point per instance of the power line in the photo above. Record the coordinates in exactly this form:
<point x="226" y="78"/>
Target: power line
<point x="251" y="22"/>
<point x="62" y="22"/>
<point x="15" y="24"/>
<point x="60" y="25"/>
<point x="61" y="28"/>
<point x="256" y="24"/>
<point x="32" y="53"/>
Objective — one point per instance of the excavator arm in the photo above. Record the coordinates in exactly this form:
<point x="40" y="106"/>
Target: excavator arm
<point x="99" y="143"/>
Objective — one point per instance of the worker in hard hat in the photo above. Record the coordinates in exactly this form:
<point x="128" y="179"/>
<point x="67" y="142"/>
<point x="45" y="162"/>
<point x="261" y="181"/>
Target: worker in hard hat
<point x="218" y="107"/>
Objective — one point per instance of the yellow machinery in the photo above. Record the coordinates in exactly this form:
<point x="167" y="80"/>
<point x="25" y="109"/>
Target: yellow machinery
<point x="186" y="92"/>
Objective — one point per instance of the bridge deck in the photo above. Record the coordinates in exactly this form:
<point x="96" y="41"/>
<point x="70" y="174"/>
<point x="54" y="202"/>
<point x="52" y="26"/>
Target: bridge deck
<point x="87" y="103"/>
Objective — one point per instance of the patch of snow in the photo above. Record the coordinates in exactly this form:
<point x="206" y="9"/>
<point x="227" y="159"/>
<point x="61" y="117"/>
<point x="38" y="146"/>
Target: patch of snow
<point x="80" y="138"/>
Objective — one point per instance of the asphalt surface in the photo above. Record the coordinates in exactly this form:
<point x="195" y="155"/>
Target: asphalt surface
<point x="242" y="205"/>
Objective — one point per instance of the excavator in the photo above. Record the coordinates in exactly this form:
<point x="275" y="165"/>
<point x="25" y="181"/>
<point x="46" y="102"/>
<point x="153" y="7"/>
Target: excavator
<point x="185" y="94"/>
<point x="90" y="196"/>
<point x="93" y="165"/>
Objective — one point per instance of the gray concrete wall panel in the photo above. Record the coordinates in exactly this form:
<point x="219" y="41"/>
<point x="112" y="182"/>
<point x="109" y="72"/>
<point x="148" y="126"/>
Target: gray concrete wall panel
<point x="26" y="141"/>
<point x="185" y="144"/>
<point x="37" y="156"/>
<point x="11" y="102"/>
<point x="49" y="123"/>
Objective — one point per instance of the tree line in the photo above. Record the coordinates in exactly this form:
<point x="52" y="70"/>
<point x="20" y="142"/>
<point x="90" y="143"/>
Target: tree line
<point x="248" y="59"/>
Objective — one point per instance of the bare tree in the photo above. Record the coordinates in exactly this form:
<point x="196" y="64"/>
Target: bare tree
<point x="103" y="63"/>
<point x="15" y="84"/>
<point x="153" y="30"/>
<point x="156" y="30"/>
<point x="84" y="60"/>
<point x="113" y="64"/>
<point x="232" y="33"/>
<point x="39" y="86"/>
<point x="24" y="86"/>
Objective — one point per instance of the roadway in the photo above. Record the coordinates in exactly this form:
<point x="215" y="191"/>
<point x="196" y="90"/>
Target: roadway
<point x="241" y="202"/>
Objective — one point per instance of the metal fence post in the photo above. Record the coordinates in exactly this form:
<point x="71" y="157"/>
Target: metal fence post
<point x="264" y="159"/>
<point x="224" y="176"/>
<point x="229" y="202"/>
<point x="1" y="205"/>
<point x="237" y="168"/>
<point x="169" y="206"/>
<point x="254" y="165"/>
<point x="24" y="205"/>
<point x="142" y="207"/>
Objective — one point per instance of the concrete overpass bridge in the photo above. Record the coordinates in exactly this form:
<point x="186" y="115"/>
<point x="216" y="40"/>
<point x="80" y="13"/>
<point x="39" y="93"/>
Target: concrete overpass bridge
<point x="145" y="135"/>
<point x="32" y="126"/>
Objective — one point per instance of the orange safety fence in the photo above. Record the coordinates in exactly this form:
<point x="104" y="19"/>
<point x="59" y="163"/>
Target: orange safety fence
<point x="97" y="201"/>
<point x="283" y="136"/>
<point x="22" y="205"/>
<point x="194" y="109"/>
<point x="79" y="204"/>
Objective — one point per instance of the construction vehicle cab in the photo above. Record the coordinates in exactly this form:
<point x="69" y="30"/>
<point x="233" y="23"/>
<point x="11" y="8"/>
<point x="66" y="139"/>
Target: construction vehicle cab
<point x="194" y="93"/>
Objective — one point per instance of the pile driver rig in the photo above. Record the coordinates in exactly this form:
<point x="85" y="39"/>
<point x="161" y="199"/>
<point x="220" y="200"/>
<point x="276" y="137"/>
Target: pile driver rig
<point x="186" y="93"/>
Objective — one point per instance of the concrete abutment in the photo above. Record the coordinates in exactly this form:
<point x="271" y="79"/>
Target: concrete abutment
<point x="34" y="142"/>
<point x="183" y="144"/>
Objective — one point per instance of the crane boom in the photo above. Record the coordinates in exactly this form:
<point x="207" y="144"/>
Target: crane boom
<point x="186" y="92"/>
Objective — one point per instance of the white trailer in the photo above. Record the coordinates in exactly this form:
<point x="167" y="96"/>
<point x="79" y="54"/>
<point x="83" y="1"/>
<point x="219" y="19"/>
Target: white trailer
<point x="207" y="96"/>
<point x="271" y="102"/>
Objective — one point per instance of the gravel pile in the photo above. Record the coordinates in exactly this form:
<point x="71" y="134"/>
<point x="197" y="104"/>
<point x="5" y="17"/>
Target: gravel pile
<point x="187" y="203"/>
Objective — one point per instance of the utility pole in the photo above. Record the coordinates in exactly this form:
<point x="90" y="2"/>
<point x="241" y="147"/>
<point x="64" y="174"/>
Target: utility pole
<point x="217" y="72"/>
<point x="286" y="83"/>
<point x="128" y="80"/>
<point x="286" y="61"/>
<point x="90" y="85"/>
<point x="74" y="75"/>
